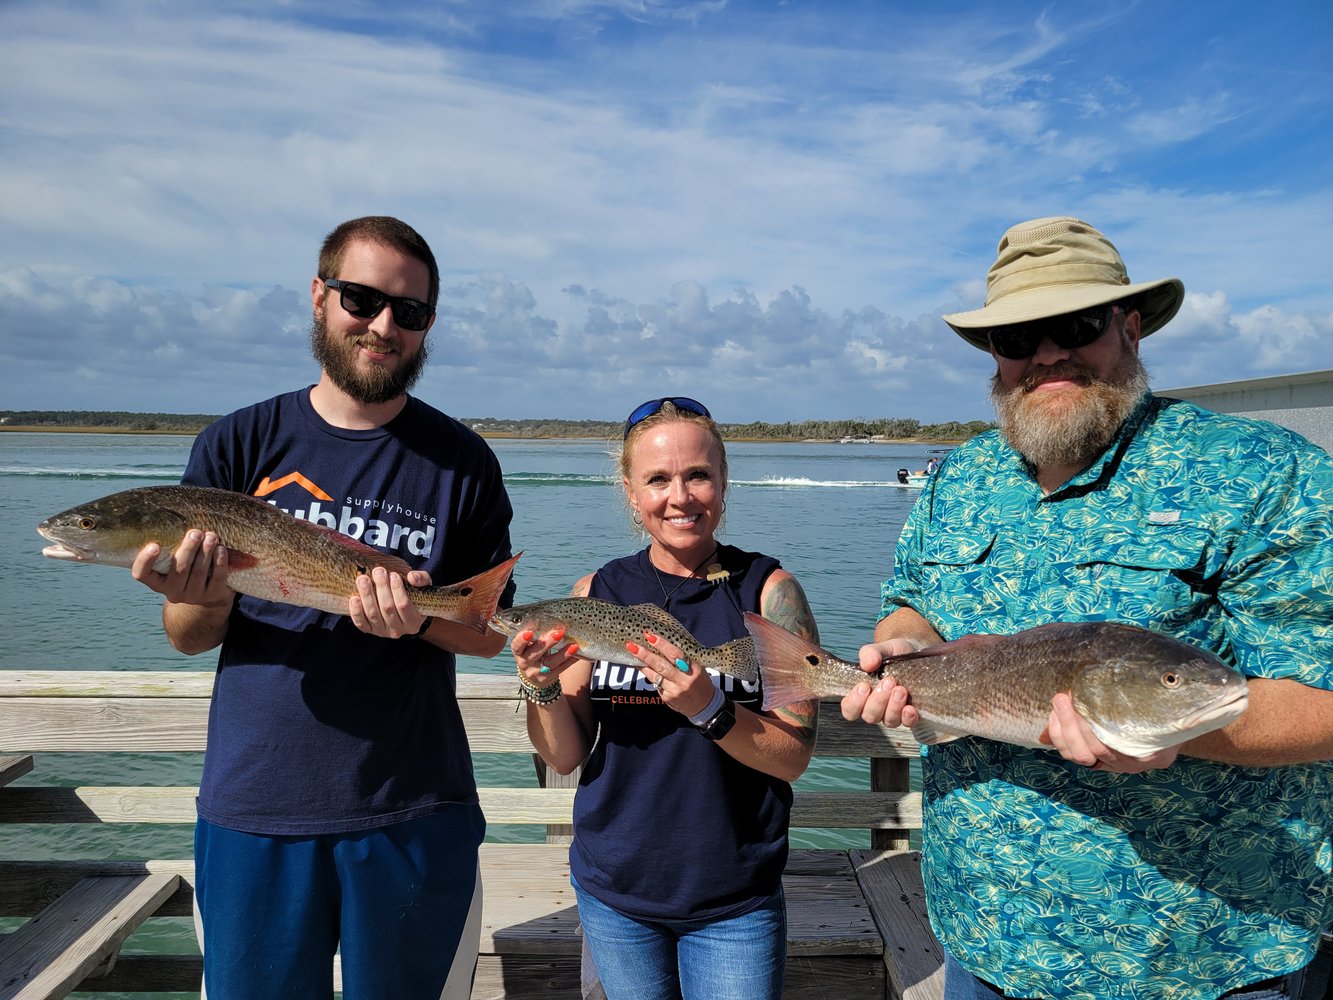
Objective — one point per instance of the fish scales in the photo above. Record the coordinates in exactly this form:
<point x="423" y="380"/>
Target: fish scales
<point x="601" y="629"/>
<point x="271" y="555"/>
<point x="1139" y="690"/>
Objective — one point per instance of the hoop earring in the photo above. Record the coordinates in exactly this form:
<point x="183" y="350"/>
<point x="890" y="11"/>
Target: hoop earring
<point x="637" y="519"/>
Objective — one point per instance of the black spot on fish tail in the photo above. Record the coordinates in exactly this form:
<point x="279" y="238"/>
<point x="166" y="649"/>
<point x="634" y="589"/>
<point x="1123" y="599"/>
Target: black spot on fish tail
<point x="465" y="592"/>
<point x="812" y="659"/>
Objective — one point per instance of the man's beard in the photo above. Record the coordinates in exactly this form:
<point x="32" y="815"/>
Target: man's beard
<point x="368" y="386"/>
<point x="1068" y="427"/>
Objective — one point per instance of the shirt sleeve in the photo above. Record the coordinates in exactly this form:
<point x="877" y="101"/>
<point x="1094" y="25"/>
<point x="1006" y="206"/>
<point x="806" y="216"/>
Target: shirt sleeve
<point x="1277" y="585"/>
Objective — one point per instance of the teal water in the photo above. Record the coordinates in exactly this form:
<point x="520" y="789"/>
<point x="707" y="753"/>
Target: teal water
<point x="830" y="512"/>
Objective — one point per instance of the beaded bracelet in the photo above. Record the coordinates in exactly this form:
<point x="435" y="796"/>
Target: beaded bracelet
<point x="536" y="694"/>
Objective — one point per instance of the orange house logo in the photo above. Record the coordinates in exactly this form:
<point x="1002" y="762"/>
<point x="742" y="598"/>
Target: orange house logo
<point x="267" y="486"/>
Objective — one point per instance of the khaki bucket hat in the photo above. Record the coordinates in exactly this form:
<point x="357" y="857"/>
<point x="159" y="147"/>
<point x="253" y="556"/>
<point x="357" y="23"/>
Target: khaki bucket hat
<point x="1048" y="267"/>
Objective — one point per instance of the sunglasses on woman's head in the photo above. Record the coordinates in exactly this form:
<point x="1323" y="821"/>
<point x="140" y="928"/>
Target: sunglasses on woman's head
<point x="645" y="410"/>
<point x="365" y="302"/>
<point x="1019" y="341"/>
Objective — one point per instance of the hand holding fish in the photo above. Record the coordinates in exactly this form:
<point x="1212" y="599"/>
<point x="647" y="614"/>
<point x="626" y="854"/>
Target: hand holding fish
<point x="882" y="699"/>
<point x="382" y="606"/>
<point x="541" y="660"/>
<point x="1069" y="733"/>
<point x="196" y="573"/>
<point x="683" y="687"/>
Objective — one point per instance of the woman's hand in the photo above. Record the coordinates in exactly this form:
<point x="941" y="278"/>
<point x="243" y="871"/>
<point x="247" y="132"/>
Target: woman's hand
<point x="684" y="687"/>
<point x="541" y="659"/>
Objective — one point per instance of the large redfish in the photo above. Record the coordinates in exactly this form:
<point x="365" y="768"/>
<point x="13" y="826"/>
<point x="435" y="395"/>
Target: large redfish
<point x="1140" y="690"/>
<point x="270" y="554"/>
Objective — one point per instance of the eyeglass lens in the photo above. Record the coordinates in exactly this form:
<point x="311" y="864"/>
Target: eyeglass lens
<point x="365" y="302"/>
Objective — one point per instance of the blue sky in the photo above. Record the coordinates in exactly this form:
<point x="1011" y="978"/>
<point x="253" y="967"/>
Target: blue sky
<point x="766" y="205"/>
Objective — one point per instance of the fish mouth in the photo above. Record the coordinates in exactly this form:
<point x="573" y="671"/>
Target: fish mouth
<point x="1232" y="704"/>
<point x="62" y="551"/>
<point x="498" y="624"/>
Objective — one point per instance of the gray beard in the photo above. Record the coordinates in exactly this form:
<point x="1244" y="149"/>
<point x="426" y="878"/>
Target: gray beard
<point x="1066" y="431"/>
<point x="370" y="388"/>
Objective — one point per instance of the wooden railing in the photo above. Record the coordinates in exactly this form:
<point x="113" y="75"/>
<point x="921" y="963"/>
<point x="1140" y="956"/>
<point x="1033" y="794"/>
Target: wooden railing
<point x="856" y="917"/>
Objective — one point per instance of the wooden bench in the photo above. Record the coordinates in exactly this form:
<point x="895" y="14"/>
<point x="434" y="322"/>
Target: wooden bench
<point x="856" y="915"/>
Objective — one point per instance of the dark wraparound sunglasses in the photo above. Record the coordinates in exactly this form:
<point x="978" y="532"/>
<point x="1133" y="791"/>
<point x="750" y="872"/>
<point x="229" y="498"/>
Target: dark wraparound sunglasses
<point x="645" y="410"/>
<point x="1020" y="341"/>
<point x="365" y="302"/>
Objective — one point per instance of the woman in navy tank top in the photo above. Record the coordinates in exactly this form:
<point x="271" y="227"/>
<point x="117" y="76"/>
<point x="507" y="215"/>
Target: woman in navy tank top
<point x="681" y="815"/>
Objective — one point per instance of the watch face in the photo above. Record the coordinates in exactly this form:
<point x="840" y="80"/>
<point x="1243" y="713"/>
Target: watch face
<point x="719" y="725"/>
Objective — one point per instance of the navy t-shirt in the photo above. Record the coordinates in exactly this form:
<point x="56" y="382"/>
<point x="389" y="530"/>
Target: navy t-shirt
<point x="667" y="825"/>
<point x="315" y="726"/>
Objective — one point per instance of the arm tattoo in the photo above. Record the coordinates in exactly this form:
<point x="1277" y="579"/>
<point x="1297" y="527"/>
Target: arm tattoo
<point x="786" y="605"/>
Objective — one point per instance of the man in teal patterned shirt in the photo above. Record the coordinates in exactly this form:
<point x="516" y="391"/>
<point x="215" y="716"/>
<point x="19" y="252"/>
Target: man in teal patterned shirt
<point x="1204" y="869"/>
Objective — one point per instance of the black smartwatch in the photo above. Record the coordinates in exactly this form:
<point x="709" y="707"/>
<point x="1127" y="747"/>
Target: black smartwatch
<point x="720" y="724"/>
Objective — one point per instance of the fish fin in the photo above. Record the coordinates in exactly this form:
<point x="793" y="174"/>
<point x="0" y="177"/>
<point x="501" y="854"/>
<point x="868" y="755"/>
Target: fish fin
<point x="369" y="556"/>
<point x="665" y="618"/>
<point x="740" y="657"/>
<point x="930" y="734"/>
<point x="237" y="560"/>
<point x="483" y="595"/>
<point x="780" y="655"/>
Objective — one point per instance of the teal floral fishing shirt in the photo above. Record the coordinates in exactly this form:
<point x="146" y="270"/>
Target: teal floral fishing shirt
<point x="1049" y="879"/>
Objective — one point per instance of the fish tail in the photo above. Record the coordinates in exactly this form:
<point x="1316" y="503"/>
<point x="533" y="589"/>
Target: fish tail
<point x="482" y="593"/>
<point x="781" y="658"/>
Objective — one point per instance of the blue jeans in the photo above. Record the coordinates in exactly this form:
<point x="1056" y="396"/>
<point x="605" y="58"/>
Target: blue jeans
<point x="959" y="984"/>
<point x="728" y="958"/>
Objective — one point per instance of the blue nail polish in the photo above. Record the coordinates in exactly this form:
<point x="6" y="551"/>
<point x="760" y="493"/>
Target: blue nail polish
<point x="683" y="666"/>
<point x="544" y="670"/>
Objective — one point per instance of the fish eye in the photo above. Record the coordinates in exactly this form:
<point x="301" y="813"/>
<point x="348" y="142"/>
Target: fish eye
<point x="87" y="523"/>
<point x="1171" y="679"/>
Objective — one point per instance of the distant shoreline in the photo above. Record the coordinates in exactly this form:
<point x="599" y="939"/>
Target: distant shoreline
<point x="497" y="435"/>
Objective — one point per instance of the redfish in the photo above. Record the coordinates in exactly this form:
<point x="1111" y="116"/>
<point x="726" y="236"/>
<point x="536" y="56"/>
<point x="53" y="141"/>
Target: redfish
<point x="270" y="554"/>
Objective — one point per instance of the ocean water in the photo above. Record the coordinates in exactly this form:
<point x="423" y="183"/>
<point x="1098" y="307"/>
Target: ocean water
<point x="829" y="512"/>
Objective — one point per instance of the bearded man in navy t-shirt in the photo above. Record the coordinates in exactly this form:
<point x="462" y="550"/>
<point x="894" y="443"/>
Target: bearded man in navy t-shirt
<point x="338" y="808"/>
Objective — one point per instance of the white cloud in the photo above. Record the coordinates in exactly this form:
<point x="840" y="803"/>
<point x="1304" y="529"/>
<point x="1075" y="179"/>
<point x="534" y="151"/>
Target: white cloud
<point x="769" y="205"/>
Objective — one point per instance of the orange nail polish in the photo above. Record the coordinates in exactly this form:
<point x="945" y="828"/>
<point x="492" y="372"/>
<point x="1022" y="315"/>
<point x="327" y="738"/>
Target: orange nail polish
<point x="557" y="634"/>
<point x="650" y="637"/>
<point x="526" y="636"/>
<point x="633" y="648"/>
<point x="572" y="649"/>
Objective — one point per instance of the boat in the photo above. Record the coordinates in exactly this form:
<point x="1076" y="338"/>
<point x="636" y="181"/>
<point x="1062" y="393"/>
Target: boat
<point x="911" y="480"/>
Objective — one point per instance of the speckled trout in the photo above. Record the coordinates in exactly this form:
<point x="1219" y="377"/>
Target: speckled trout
<point x="1139" y="690"/>
<point x="270" y="554"/>
<point x="601" y="630"/>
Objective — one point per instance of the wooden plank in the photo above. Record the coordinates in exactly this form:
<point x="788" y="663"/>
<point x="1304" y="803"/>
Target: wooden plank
<point x="29" y="886"/>
<point x="521" y="806"/>
<point x="857" y="810"/>
<point x="827" y="914"/>
<point x="14" y="765"/>
<point x="83" y="930"/>
<point x="913" y="958"/>
<point x="145" y="711"/>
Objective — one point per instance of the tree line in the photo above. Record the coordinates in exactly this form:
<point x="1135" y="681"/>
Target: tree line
<point x="799" y="430"/>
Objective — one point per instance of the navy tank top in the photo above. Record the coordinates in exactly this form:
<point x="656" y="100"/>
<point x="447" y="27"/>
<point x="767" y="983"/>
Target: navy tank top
<point x="667" y="825"/>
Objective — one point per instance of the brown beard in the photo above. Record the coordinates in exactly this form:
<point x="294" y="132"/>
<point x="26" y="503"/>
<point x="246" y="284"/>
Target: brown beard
<point x="1069" y="427"/>
<point x="378" y="385"/>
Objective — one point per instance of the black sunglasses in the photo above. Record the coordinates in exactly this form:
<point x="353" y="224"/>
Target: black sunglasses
<point x="365" y="302"/>
<point x="645" y="410"/>
<point x="1020" y="341"/>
